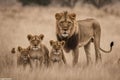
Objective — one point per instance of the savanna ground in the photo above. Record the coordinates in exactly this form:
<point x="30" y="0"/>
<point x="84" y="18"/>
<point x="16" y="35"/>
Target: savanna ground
<point x="16" y="22"/>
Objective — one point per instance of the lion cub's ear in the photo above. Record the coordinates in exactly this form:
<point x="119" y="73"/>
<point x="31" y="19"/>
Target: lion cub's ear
<point x="58" y="16"/>
<point x="72" y="16"/>
<point x="13" y="51"/>
<point x="19" y="48"/>
<point x="41" y="36"/>
<point x="62" y="43"/>
<point x="28" y="48"/>
<point x="51" y="42"/>
<point x="29" y="36"/>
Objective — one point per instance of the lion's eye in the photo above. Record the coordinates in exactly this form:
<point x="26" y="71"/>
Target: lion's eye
<point x="61" y="23"/>
<point x="69" y="23"/>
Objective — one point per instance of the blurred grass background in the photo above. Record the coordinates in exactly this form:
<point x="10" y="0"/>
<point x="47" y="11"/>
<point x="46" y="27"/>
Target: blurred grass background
<point x="17" y="20"/>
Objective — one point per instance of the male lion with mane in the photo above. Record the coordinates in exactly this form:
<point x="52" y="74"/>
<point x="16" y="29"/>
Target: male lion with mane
<point x="79" y="33"/>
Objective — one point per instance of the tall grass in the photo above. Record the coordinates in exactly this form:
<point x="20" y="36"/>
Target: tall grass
<point x="16" y="22"/>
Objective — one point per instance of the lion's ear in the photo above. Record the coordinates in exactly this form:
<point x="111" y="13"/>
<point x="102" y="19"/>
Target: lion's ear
<point x="73" y="16"/>
<point x="62" y="43"/>
<point x="41" y="36"/>
<point x="29" y="36"/>
<point x="51" y="42"/>
<point x="58" y="16"/>
<point x="19" y="48"/>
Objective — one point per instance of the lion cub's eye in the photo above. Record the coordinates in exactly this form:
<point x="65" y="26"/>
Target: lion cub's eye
<point x="61" y="23"/>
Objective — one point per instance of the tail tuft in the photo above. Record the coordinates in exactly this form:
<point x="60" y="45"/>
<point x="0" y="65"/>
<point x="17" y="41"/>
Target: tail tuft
<point x="112" y="44"/>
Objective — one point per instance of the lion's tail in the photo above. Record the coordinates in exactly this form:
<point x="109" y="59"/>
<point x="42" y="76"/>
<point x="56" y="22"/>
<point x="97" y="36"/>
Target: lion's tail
<point x="111" y="45"/>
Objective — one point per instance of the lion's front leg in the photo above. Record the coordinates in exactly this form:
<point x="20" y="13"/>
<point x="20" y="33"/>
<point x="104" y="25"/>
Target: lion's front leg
<point x="75" y="56"/>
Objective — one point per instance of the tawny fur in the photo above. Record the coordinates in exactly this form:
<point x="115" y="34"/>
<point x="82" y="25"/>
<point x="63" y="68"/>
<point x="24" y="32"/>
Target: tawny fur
<point x="38" y="51"/>
<point x="23" y="58"/>
<point x="79" y="34"/>
<point x="56" y="53"/>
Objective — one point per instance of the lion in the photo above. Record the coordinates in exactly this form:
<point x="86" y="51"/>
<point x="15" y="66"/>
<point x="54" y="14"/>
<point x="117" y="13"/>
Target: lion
<point x="23" y="58"/>
<point x="39" y="53"/>
<point x="79" y="33"/>
<point x="57" y="54"/>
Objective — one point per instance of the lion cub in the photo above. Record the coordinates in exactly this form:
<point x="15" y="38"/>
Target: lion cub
<point x="39" y="53"/>
<point x="23" y="58"/>
<point x="56" y="54"/>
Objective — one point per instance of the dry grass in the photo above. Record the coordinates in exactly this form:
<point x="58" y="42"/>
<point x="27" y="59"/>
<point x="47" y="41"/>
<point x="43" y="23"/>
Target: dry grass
<point x="16" y="22"/>
<point x="112" y="9"/>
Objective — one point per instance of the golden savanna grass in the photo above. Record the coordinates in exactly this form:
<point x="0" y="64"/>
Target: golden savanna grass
<point x="17" y="22"/>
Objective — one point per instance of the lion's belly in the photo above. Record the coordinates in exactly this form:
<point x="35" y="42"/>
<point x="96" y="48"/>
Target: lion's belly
<point x="86" y="33"/>
<point x="85" y="37"/>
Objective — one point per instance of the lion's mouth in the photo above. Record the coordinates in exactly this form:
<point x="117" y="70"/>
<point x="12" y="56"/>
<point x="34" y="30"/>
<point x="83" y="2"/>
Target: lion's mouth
<point x="57" y="53"/>
<point x="35" y="48"/>
<point x="25" y="58"/>
<point x="65" y="35"/>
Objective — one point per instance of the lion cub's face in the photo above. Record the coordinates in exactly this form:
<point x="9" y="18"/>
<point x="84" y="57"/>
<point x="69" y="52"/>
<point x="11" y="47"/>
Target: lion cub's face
<point x="35" y="40"/>
<point x="24" y="53"/>
<point x="57" y="46"/>
<point x="65" y="23"/>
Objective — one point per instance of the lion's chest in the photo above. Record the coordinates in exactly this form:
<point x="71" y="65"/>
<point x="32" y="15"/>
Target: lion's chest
<point x="23" y="61"/>
<point x="56" y="57"/>
<point x="36" y="54"/>
<point x="70" y="43"/>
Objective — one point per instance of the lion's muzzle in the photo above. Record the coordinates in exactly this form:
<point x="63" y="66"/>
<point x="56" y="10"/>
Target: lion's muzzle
<point x="65" y="33"/>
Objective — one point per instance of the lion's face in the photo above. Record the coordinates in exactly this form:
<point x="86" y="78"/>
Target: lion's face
<point x="24" y="53"/>
<point x="57" y="46"/>
<point x="35" y="40"/>
<point x="65" y="23"/>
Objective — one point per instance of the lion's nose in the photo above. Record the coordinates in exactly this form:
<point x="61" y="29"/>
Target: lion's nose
<point x="64" y="33"/>
<point x="65" y="29"/>
<point x="35" y="45"/>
